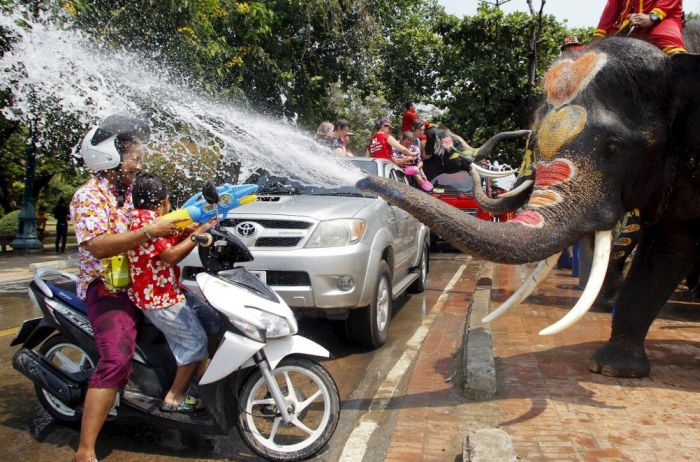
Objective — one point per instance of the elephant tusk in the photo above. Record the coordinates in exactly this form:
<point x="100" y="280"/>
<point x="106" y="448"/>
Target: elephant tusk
<point x="491" y="173"/>
<point x="601" y="256"/>
<point x="514" y="192"/>
<point x="530" y="284"/>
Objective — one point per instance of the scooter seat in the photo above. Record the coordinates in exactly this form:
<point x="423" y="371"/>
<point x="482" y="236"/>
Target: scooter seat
<point x="66" y="293"/>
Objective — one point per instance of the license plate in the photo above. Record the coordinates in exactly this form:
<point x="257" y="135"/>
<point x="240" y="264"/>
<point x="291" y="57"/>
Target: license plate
<point x="260" y="275"/>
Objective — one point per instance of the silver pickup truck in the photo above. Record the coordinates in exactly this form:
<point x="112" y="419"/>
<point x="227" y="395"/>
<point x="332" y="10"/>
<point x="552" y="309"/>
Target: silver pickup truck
<point x="334" y="252"/>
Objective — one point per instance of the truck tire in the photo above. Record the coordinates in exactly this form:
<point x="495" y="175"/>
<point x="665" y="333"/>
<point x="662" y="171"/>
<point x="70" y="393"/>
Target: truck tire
<point x="369" y="326"/>
<point x="419" y="284"/>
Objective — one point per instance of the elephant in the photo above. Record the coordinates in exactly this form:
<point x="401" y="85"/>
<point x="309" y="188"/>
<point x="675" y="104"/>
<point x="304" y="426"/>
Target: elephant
<point x="618" y="130"/>
<point x="445" y="152"/>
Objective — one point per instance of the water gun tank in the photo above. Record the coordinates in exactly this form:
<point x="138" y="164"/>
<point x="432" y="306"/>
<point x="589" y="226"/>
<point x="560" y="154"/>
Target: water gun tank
<point x="198" y="210"/>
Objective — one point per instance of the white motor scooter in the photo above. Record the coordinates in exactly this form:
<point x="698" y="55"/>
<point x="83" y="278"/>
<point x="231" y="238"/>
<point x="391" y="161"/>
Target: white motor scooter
<point x="261" y="378"/>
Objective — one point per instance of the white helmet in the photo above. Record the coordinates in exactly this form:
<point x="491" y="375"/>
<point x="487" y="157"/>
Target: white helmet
<point x="99" y="149"/>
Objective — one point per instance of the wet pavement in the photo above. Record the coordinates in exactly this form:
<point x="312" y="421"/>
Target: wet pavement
<point x="549" y="403"/>
<point x="27" y="432"/>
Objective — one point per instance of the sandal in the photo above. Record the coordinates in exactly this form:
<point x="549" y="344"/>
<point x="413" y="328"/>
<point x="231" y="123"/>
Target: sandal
<point x="186" y="405"/>
<point x="195" y="402"/>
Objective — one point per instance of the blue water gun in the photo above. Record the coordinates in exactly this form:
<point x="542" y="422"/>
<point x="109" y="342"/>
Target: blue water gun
<point x="198" y="210"/>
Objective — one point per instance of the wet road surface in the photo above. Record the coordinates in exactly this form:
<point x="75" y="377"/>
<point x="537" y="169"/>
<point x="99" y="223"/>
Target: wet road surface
<point x="28" y="433"/>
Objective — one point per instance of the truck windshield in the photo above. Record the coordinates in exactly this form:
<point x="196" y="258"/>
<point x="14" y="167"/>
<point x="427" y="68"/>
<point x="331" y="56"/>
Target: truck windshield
<point x="280" y="185"/>
<point x="453" y="183"/>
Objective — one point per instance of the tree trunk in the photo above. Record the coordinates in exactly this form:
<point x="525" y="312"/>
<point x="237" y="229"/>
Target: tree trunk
<point x="533" y="49"/>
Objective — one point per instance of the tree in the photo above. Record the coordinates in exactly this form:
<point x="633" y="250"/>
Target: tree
<point x="485" y="76"/>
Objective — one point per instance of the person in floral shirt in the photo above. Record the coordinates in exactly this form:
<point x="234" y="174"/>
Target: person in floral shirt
<point x="154" y="288"/>
<point x="100" y="210"/>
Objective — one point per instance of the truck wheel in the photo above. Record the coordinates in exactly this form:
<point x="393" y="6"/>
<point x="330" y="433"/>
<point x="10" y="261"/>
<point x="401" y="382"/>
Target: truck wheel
<point x="370" y="326"/>
<point x="419" y="284"/>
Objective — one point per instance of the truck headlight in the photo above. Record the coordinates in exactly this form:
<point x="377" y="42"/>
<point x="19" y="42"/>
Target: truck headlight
<point x="337" y="233"/>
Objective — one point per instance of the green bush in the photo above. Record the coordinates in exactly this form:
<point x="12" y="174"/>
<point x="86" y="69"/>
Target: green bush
<point x="9" y="223"/>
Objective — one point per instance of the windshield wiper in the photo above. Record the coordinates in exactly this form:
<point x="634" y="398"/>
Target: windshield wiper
<point x="341" y="194"/>
<point x="280" y="189"/>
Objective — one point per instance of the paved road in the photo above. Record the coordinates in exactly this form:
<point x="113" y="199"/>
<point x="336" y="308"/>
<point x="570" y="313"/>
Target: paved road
<point x="28" y="433"/>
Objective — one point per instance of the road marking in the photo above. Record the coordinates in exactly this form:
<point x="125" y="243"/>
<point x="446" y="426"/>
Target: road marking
<point x="12" y="331"/>
<point x="356" y="444"/>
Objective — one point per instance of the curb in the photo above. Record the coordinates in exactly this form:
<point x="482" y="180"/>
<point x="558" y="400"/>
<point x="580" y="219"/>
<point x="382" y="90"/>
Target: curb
<point x="479" y="368"/>
<point x="479" y="375"/>
<point x="488" y="445"/>
<point x="55" y="264"/>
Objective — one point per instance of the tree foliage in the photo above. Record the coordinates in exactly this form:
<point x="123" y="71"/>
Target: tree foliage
<point x="303" y="60"/>
<point x="484" y="72"/>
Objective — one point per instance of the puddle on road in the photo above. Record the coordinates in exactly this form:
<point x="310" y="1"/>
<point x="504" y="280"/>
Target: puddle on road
<point x="14" y="309"/>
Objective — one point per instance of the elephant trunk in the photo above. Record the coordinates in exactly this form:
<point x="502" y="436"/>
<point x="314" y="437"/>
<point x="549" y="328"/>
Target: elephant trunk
<point x="485" y="150"/>
<point x="532" y="235"/>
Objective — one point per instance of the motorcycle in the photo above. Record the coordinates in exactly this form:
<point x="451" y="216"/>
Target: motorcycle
<point x="261" y="377"/>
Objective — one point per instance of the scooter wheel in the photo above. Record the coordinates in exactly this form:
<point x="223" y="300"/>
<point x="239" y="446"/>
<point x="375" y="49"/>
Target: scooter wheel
<point x="312" y="400"/>
<point x="70" y="358"/>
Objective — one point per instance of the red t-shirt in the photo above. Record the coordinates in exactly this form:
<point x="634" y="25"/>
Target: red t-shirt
<point x="153" y="282"/>
<point x="407" y="123"/>
<point x="379" y="146"/>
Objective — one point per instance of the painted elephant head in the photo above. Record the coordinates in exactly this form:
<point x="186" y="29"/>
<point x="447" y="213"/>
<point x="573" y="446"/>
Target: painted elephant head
<point x="619" y="129"/>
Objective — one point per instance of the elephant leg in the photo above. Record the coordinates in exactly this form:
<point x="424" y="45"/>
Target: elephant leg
<point x="664" y="256"/>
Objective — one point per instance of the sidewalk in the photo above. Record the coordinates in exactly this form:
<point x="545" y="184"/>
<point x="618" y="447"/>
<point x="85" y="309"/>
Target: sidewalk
<point x="549" y="403"/>
<point x="15" y="267"/>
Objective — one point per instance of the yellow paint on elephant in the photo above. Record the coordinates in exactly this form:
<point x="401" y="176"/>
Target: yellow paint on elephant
<point x="544" y="198"/>
<point x="526" y="165"/>
<point x="567" y="78"/>
<point x="632" y="228"/>
<point x="558" y="128"/>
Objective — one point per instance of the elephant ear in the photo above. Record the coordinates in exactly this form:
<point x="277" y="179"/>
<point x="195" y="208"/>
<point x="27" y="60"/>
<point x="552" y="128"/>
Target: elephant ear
<point x="686" y="104"/>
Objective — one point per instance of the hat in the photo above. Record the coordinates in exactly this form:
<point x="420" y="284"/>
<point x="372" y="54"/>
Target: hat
<point x="380" y="122"/>
<point x="570" y="40"/>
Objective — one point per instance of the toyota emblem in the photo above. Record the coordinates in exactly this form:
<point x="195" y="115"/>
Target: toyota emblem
<point x="246" y="229"/>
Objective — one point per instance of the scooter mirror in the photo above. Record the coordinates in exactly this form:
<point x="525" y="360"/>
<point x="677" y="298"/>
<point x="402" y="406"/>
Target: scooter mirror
<point x="210" y="193"/>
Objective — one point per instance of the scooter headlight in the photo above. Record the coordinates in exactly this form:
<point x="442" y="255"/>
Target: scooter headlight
<point x="249" y="330"/>
<point x="275" y="326"/>
<point x="264" y="325"/>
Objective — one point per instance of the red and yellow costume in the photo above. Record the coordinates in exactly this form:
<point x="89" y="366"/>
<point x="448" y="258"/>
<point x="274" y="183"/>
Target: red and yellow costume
<point x="665" y="34"/>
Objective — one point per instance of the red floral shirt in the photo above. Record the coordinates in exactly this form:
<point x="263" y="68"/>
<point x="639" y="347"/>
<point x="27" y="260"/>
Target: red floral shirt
<point x="153" y="282"/>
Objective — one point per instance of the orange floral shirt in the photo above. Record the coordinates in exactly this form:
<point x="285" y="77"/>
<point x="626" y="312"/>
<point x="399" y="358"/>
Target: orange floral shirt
<point x="95" y="211"/>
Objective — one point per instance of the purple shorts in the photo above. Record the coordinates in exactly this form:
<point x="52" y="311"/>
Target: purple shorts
<point x="114" y="319"/>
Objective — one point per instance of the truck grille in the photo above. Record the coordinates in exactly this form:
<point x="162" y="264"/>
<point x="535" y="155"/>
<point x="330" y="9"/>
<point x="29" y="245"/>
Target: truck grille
<point x="277" y="242"/>
<point x="288" y="278"/>
<point x="273" y="224"/>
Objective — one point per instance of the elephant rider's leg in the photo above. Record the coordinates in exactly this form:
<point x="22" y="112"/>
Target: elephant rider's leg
<point x="667" y="35"/>
<point x="662" y="259"/>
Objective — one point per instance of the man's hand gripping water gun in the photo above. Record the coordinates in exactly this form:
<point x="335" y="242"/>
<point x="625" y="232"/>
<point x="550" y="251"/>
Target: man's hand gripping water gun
<point x="198" y="210"/>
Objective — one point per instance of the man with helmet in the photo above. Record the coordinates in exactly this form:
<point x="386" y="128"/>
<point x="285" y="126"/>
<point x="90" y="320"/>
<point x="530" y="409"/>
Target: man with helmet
<point x="100" y="210"/>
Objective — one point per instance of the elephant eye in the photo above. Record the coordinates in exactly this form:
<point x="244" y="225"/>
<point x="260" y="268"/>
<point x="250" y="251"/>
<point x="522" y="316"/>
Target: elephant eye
<point x="614" y="146"/>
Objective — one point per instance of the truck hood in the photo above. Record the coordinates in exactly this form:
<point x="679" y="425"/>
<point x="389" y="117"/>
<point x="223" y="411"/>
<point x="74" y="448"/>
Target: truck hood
<point x="305" y="205"/>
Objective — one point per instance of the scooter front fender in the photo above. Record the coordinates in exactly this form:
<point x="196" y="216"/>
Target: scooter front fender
<point x="277" y="349"/>
<point x="233" y="352"/>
